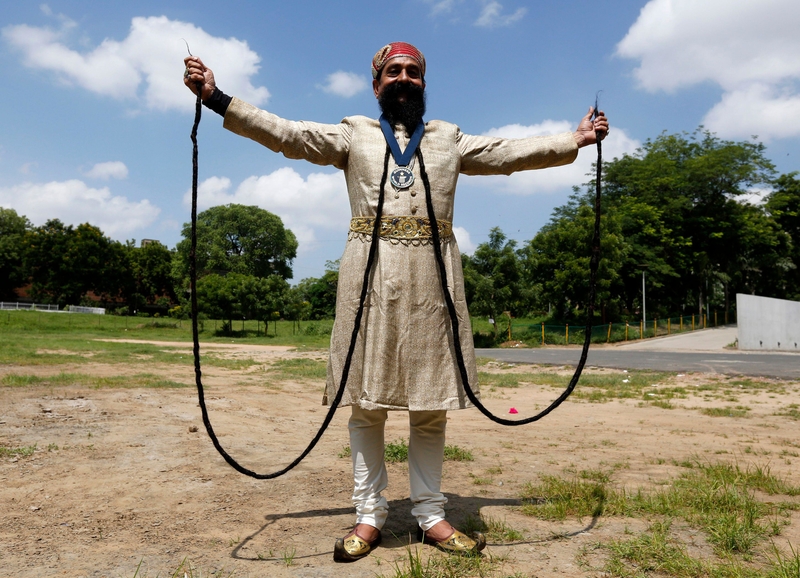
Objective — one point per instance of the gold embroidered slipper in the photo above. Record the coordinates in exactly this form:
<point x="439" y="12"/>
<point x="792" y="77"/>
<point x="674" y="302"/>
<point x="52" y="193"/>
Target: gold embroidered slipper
<point x="457" y="543"/>
<point x="353" y="547"/>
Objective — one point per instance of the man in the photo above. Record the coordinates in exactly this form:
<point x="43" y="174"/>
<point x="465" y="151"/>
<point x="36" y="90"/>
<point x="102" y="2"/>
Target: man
<point x="404" y="355"/>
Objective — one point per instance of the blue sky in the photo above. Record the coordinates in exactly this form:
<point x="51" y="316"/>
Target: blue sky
<point x="95" y="118"/>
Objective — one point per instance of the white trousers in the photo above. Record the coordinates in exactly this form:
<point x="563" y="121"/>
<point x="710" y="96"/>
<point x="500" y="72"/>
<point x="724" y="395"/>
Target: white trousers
<point x="425" y="457"/>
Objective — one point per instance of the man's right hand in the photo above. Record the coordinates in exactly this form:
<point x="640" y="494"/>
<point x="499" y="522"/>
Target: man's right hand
<point x="196" y="72"/>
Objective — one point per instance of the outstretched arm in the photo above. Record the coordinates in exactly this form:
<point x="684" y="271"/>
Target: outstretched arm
<point x="586" y="135"/>
<point x="320" y="144"/>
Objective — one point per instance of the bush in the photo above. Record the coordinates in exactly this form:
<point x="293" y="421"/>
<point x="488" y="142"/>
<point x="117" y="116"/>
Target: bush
<point x="318" y="329"/>
<point x="485" y="340"/>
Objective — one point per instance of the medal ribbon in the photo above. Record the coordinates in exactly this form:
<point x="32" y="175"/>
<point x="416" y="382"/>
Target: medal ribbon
<point x="401" y="158"/>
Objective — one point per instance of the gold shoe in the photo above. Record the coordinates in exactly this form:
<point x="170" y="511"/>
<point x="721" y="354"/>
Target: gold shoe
<point x="457" y="543"/>
<point x="353" y="547"/>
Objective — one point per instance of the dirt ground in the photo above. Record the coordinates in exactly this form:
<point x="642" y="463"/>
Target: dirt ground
<point x="123" y="477"/>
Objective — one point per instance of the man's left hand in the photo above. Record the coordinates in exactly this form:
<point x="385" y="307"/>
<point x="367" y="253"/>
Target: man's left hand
<point x="589" y="130"/>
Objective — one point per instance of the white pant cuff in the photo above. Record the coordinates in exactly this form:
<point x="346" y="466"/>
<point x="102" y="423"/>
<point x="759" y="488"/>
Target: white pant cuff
<point x="429" y="523"/>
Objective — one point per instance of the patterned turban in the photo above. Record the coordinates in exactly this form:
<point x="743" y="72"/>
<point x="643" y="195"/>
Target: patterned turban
<point x="394" y="50"/>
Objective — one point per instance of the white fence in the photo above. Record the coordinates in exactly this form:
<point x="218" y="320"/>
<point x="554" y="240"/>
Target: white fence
<point x="94" y="310"/>
<point x="28" y="306"/>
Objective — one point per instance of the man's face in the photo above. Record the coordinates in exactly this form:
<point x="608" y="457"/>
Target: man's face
<point x="399" y="70"/>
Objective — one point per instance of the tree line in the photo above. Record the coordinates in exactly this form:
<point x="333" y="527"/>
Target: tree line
<point x="678" y="212"/>
<point x="675" y="212"/>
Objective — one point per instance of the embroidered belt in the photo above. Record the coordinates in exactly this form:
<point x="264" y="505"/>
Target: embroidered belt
<point x="404" y="228"/>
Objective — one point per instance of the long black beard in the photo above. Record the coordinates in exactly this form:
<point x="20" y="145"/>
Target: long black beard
<point x="408" y="113"/>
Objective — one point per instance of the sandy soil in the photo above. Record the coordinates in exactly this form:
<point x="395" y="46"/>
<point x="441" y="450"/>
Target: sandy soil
<point x="128" y="476"/>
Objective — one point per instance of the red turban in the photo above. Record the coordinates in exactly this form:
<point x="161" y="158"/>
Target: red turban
<point x="394" y="50"/>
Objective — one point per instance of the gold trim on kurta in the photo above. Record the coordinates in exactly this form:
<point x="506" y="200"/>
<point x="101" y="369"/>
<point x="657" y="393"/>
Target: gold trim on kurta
<point x="401" y="228"/>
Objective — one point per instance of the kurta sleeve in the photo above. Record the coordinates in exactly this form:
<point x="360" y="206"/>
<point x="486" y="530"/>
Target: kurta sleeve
<point x="321" y="144"/>
<point x="484" y="155"/>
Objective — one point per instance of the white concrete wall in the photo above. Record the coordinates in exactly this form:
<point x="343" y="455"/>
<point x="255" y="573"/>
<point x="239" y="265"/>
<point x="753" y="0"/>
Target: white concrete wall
<point x="767" y="324"/>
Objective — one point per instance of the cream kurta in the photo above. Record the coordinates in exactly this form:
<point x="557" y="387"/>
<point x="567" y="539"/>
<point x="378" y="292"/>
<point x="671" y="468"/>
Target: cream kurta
<point x="404" y="356"/>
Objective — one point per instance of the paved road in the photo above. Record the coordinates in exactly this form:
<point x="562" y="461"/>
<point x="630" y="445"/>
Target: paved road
<point x="694" y="352"/>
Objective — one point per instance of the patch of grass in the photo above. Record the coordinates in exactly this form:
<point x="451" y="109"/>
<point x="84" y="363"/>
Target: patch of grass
<point x="656" y="552"/>
<point x="288" y="556"/>
<point x="497" y="530"/>
<point x="556" y="498"/>
<point x="456" y="454"/>
<point x="792" y="411"/>
<point x="227" y="363"/>
<point x="24" y="451"/>
<point x="663" y="404"/>
<point x="738" y="411"/>
<point x="397" y="451"/>
<point x="717" y="498"/>
<point x="595" y="388"/>
<point x="184" y="570"/>
<point x="46" y="326"/>
<point x="751" y="384"/>
<point x="439" y="565"/>
<point x="480" y="481"/>
<point x="300" y="368"/>
<point x="147" y="380"/>
<point x="510" y="380"/>
<point x="651" y="553"/>
<point x="785" y="565"/>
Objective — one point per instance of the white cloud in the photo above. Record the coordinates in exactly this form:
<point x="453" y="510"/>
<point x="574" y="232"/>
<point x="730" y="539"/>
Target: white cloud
<point x="152" y="54"/>
<point x="762" y="110"/>
<point x="316" y="204"/>
<point x="747" y="48"/>
<point x="553" y="179"/>
<point x="345" y="84"/>
<point x="65" y="20"/>
<point x="442" y="6"/>
<point x="465" y="244"/>
<point x="108" y="170"/>
<point x="73" y="202"/>
<point x="492" y="15"/>
<point x="547" y="127"/>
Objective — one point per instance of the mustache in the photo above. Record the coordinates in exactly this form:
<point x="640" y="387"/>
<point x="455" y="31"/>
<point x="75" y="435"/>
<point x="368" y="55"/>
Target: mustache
<point x="411" y="89"/>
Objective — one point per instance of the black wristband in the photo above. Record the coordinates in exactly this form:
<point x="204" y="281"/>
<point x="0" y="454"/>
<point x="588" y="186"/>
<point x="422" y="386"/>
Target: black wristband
<point x="218" y="101"/>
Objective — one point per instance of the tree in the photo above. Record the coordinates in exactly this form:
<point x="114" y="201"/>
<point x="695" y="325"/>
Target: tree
<point x="151" y="274"/>
<point x="238" y="239"/>
<point x="492" y="278"/>
<point x="694" y="182"/>
<point x="558" y="260"/>
<point x="65" y="263"/>
<point x="783" y="206"/>
<point x="237" y="296"/>
<point x="321" y="293"/>
<point x="12" y="233"/>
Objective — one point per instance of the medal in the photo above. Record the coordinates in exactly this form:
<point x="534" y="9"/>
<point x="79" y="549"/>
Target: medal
<point x="402" y="176"/>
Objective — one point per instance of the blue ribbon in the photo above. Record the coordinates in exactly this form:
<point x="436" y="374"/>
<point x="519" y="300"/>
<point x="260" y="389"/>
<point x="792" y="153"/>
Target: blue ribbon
<point x="402" y="158"/>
